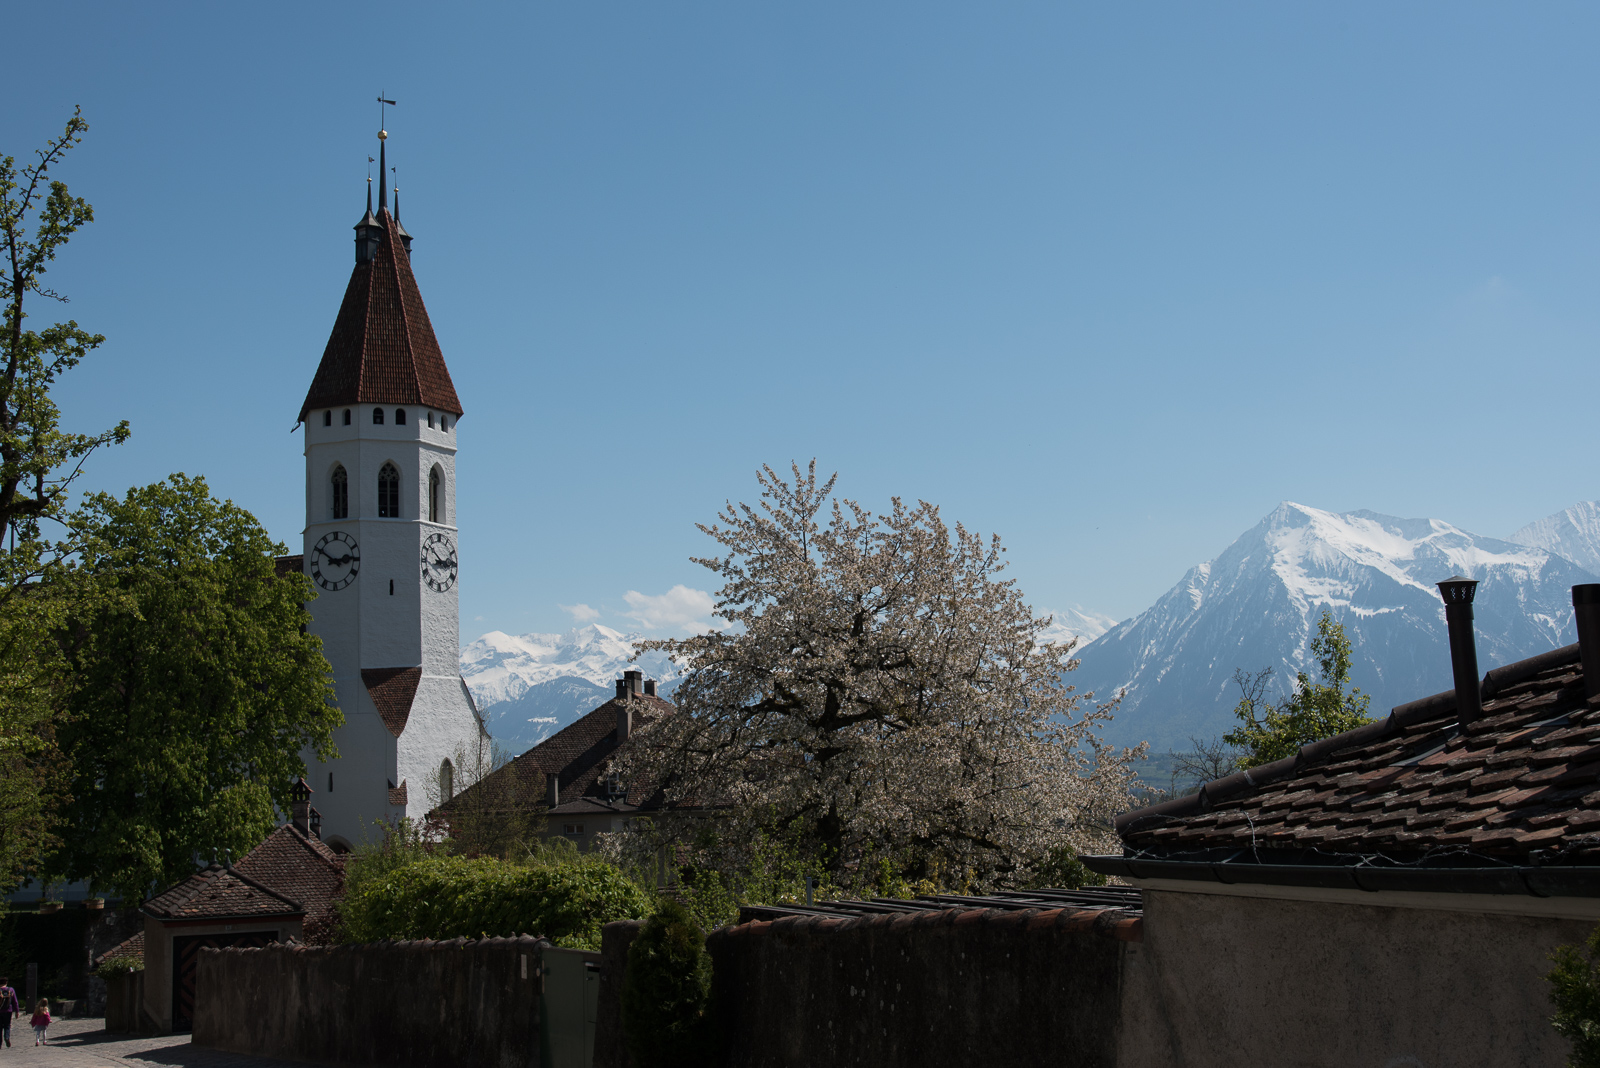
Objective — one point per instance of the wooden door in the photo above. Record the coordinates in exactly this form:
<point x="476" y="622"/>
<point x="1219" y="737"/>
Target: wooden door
<point x="186" y="954"/>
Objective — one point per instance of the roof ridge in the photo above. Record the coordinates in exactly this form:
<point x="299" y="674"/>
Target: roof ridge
<point x="242" y="877"/>
<point x="398" y="248"/>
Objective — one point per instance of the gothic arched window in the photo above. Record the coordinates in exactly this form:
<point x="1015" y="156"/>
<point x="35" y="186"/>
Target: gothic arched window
<point x="444" y="421"/>
<point x="430" y="420"/>
<point x="347" y="417"/>
<point x="377" y="417"/>
<point x="399" y="417"/>
<point x="435" y="496"/>
<point x="341" y="493"/>
<point x="327" y="417"/>
<point x="389" y="492"/>
<point x="447" y="779"/>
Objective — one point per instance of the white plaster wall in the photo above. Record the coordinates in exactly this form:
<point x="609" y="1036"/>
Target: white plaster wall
<point x="387" y="617"/>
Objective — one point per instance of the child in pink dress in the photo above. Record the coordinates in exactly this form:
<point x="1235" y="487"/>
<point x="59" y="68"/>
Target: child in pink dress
<point x="41" y="1020"/>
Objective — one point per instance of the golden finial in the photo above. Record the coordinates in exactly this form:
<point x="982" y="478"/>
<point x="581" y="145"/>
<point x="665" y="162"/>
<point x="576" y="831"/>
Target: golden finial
<point x="383" y="135"/>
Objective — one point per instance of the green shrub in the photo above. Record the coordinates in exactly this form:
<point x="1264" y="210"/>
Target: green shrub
<point x="1575" y="990"/>
<point x="1062" y="870"/>
<point x="110" y="969"/>
<point x="450" y="897"/>
<point x="666" y="992"/>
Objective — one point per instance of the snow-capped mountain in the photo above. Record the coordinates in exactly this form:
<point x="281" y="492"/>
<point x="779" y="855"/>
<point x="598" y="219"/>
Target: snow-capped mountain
<point x="531" y="685"/>
<point x="1257" y="605"/>
<point x="1076" y="622"/>
<point x="1573" y="533"/>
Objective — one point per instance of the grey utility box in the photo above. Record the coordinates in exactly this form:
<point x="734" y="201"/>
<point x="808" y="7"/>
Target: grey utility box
<point x="568" y="1008"/>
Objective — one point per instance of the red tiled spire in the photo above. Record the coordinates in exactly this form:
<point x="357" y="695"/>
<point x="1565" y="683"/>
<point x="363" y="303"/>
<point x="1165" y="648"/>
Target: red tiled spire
<point x="382" y="350"/>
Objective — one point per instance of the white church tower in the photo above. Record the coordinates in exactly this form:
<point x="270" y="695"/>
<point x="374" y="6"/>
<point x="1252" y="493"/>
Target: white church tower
<point x="381" y="421"/>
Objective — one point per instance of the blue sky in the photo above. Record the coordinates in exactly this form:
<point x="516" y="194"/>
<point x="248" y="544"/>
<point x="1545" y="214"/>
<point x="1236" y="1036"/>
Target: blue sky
<point x="1111" y="281"/>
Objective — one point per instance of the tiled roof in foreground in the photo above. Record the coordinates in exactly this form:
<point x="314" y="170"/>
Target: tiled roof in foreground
<point x="221" y="893"/>
<point x="1519" y="785"/>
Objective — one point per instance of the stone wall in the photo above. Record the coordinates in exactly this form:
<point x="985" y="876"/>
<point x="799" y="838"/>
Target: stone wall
<point x="610" y="1043"/>
<point x="921" y="990"/>
<point x="400" y="1004"/>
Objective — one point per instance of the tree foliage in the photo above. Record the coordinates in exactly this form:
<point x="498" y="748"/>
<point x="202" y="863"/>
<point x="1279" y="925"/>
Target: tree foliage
<point x="38" y="463"/>
<point x="1315" y="710"/>
<point x="666" y="992"/>
<point x="196" y="688"/>
<point x="1575" y="991"/>
<point x="877" y="685"/>
<point x="480" y="812"/>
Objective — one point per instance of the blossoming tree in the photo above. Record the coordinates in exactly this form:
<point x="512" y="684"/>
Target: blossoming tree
<point x="879" y="691"/>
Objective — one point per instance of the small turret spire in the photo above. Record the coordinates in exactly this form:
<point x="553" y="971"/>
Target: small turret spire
<point x="383" y="190"/>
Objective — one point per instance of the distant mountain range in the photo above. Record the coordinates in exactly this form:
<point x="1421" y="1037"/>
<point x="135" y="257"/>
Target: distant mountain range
<point x="1257" y="604"/>
<point x="529" y="686"/>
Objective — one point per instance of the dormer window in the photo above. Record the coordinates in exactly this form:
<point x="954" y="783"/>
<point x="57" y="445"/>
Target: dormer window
<point x="399" y="417"/>
<point x="340" y="484"/>
<point x="388" y="492"/>
<point x="377" y="417"/>
<point x="327" y="417"/>
<point x="347" y="417"/>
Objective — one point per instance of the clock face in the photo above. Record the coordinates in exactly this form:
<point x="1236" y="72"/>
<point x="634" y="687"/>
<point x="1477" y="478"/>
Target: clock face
<point x="439" y="562"/>
<point x="335" y="561"/>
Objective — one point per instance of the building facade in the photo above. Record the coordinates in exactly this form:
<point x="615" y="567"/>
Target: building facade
<point x="381" y="421"/>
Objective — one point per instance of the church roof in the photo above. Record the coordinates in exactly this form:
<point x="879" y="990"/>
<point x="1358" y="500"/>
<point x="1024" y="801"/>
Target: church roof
<point x="382" y="349"/>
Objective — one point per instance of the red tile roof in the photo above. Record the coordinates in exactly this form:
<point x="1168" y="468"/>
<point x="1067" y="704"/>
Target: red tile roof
<point x="299" y="867"/>
<point x="133" y="947"/>
<point x="382" y="349"/>
<point x="397" y="795"/>
<point x="392" y="691"/>
<point x="220" y="893"/>
<point x="1523" y="778"/>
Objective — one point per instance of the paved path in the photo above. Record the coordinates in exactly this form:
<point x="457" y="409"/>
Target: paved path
<point x="83" y="1043"/>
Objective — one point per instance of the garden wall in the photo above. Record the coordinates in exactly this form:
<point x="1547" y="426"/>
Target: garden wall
<point x="926" y="989"/>
<point x="401" y="1004"/>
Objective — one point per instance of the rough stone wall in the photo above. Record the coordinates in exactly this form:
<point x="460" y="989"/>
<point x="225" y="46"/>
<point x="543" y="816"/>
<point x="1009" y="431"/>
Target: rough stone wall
<point x="610" y="1044"/>
<point x="920" y="990"/>
<point x="399" y="1004"/>
<point x="1221" y="981"/>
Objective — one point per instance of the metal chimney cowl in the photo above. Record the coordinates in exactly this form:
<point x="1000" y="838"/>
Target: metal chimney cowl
<point x="1586" y="613"/>
<point x="1458" y="593"/>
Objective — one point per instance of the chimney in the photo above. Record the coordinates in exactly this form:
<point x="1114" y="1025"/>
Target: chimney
<point x="622" y="689"/>
<point x="552" y="789"/>
<point x="1458" y="593"/>
<point x="1586" y="608"/>
<point x="300" y="806"/>
<point x="635" y="680"/>
<point x="624" y="722"/>
<point x="649" y="687"/>
<point x="316" y="825"/>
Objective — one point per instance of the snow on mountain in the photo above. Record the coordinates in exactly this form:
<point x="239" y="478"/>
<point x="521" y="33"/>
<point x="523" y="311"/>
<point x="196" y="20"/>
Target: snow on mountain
<point x="531" y="685"/>
<point x="1257" y="605"/>
<point x="1573" y="533"/>
<point x="1075" y="622"/>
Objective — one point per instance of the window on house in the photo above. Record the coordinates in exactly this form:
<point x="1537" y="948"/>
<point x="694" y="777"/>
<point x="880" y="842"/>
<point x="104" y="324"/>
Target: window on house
<point x="435" y="496"/>
<point x="377" y="417"/>
<point x="341" y="493"/>
<point x="399" y="417"/>
<point x="572" y="830"/>
<point x="327" y="417"/>
<point x="447" y="779"/>
<point x="330" y="782"/>
<point x="389" y="492"/>
<point x="347" y="417"/>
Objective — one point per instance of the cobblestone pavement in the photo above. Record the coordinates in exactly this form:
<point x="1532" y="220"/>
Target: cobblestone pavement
<point x="83" y="1043"/>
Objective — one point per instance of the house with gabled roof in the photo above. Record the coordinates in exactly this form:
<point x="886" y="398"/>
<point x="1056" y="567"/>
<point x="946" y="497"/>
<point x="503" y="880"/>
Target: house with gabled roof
<point x="285" y="888"/>
<point x="1390" y="895"/>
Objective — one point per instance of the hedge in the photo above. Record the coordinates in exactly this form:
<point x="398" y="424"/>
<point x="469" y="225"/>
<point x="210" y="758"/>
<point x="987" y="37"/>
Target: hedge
<point x="450" y="897"/>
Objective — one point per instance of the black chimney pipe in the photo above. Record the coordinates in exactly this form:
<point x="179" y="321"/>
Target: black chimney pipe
<point x="1458" y="593"/>
<point x="1586" y="610"/>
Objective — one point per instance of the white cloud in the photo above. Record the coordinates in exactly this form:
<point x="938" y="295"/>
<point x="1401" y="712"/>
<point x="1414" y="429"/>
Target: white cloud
<point x="679" y="607"/>
<point x="581" y="613"/>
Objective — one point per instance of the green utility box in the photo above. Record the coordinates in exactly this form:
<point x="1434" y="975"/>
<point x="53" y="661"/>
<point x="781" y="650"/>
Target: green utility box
<point x="569" y="1004"/>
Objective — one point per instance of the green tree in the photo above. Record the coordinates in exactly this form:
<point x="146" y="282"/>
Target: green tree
<point x="196" y="688"/>
<point x="38" y="463"/>
<point x="1575" y="991"/>
<point x="1315" y="710"/>
<point x="666" y="992"/>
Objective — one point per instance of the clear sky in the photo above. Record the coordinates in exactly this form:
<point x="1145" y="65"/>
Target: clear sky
<point x="1110" y="280"/>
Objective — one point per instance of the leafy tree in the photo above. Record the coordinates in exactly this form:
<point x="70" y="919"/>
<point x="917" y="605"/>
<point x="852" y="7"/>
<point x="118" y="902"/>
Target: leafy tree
<point x="1575" y="991"/>
<point x="666" y="992"/>
<point x="1315" y="710"/>
<point x="482" y="813"/>
<point x="197" y="688"/>
<point x="38" y="462"/>
<point x="879" y="686"/>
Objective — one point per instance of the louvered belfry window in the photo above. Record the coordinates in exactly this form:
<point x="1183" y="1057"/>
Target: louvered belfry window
<point x="388" y="492"/>
<point x="341" y="493"/>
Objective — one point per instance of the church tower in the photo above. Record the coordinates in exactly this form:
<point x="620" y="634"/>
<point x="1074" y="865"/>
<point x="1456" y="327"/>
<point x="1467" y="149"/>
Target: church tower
<point x="381" y="422"/>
